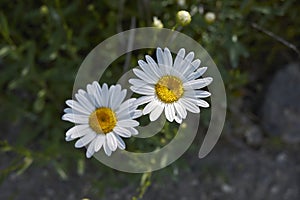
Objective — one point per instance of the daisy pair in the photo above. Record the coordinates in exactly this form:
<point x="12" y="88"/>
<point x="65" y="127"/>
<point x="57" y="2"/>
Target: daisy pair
<point x="102" y="117"/>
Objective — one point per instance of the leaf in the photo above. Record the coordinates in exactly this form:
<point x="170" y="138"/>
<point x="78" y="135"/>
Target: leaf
<point x="27" y="162"/>
<point x="236" y="50"/>
<point x="4" y="26"/>
<point x="60" y="171"/>
<point x="80" y="167"/>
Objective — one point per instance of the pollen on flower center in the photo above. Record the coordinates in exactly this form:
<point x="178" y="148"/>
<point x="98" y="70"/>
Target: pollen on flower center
<point x="103" y="120"/>
<point x="169" y="89"/>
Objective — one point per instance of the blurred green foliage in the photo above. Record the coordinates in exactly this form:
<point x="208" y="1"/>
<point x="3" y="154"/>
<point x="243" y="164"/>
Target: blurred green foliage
<point x="42" y="44"/>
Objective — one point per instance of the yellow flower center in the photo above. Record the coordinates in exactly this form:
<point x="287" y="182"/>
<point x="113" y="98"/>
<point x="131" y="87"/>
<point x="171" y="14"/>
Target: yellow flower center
<point x="169" y="89"/>
<point x="103" y="120"/>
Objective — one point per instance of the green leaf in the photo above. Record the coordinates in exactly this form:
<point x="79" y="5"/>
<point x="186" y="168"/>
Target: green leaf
<point x="27" y="162"/>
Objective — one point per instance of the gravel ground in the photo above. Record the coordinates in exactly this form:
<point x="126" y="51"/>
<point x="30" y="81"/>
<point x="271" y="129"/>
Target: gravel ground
<point x="230" y="171"/>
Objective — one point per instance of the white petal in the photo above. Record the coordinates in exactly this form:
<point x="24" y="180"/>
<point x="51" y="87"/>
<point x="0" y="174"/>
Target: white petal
<point x="186" y="62"/>
<point x="105" y="95"/>
<point x="127" y="123"/>
<point x="123" y="115"/>
<point x="117" y="97"/>
<point x="124" y="132"/>
<point x="126" y="106"/>
<point x="152" y="67"/>
<point x="99" y="141"/>
<point x="198" y="102"/>
<point x="137" y="82"/>
<point x="90" y="150"/>
<point x="91" y="93"/>
<point x="106" y="148"/>
<point x="85" y="140"/>
<point x="154" y="115"/>
<point x="76" y="106"/>
<point x="111" y="141"/>
<point x="198" y="83"/>
<point x="98" y="94"/>
<point x="127" y="114"/>
<point x="189" y="106"/>
<point x="179" y="58"/>
<point x="197" y="73"/>
<point x="133" y="131"/>
<point x="78" y="119"/>
<point x="84" y="101"/>
<point x="202" y="103"/>
<point x="178" y="119"/>
<point x="196" y="94"/>
<point x="72" y="111"/>
<point x="190" y="57"/>
<point x="113" y="93"/>
<point x="68" y="138"/>
<point x="192" y="67"/>
<point x="90" y="99"/>
<point x="120" y="142"/>
<point x="144" y="99"/>
<point x="149" y="70"/>
<point x="136" y="114"/>
<point x="202" y="93"/>
<point x="170" y="112"/>
<point x="121" y="98"/>
<point x="111" y="90"/>
<point x="150" y="61"/>
<point x="81" y="133"/>
<point x="96" y="85"/>
<point x="160" y="56"/>
<point x="149" y="107"/>
<point x="76" y="129"/>
<point x="145" y="90"/>
<point x="181" y="112"/>
<point x="168" y="58"/>
<point x="139" y="73"/>
<point x="81" y="92"/>
<point x="165" y="70"/>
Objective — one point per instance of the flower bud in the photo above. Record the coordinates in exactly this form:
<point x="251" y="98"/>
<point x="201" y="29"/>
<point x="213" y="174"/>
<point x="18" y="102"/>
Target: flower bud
<point x="44" y="10"/>
<point x="183" y="18"/>
<point x="234" y="38"/>
<point x="91" y="7"/>
<point x="210" y="17"/>
<point x="157" y="23"/>
<point x="181" y="3"/>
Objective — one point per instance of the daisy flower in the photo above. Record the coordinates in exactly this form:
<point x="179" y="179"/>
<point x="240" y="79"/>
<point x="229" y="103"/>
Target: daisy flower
<point x="101" y="118"/>
<point x="170" y="87"/>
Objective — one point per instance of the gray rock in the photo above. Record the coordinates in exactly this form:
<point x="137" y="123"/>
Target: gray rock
<point x="281" y="109"/>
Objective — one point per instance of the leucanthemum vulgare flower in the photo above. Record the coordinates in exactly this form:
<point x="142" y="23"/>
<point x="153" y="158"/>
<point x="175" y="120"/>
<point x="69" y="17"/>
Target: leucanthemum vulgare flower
<point x="170" y="87"/>
<point x="101" y="118"/>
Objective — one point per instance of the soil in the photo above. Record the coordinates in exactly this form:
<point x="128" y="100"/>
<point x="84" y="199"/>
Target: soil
<point x="231" y="171"/>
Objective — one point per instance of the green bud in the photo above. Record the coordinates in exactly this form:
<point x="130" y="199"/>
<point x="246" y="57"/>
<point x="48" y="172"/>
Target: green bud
<point x="91" y="7"/>
<point x="44" y="10"/>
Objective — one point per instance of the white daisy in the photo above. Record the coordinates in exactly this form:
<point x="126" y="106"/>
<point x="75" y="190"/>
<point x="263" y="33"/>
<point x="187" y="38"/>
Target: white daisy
<point x="101" y="117"/>
<point x="173" y="88"/>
